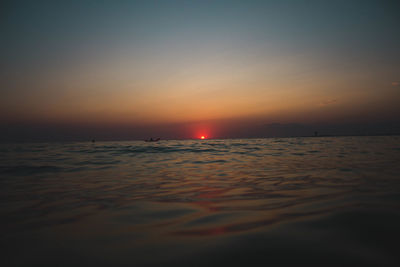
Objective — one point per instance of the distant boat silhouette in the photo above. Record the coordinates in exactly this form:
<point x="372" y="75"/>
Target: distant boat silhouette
<point x="152" y="140"/>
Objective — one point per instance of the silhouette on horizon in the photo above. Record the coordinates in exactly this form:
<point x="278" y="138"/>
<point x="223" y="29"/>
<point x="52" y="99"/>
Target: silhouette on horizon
<point x="152" y="140"/>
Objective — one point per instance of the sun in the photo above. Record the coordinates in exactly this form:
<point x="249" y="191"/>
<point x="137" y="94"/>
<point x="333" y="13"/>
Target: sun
<point x="202" y="137"/>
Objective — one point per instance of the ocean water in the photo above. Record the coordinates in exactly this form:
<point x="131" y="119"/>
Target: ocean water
<point x="327" y="200"/>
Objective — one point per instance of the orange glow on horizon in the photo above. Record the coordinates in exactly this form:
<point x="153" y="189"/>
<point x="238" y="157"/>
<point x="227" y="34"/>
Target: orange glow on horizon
<point x="202" y="137"/>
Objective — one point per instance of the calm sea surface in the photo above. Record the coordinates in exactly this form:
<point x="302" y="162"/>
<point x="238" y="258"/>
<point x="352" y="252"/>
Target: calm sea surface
<point x="327" y="200"/>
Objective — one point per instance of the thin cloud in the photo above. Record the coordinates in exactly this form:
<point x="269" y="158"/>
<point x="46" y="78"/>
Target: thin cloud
<point x="328" y="102"/>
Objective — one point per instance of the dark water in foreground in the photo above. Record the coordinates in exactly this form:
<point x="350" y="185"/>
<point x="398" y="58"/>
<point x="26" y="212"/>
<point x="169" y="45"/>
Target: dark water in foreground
<point x="239" y="202"/>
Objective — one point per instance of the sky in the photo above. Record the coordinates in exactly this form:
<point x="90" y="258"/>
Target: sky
<point x="116" y="70"/>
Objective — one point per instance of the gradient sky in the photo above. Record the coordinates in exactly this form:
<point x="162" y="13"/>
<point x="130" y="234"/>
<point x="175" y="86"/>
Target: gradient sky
<point x="179" y="69"/>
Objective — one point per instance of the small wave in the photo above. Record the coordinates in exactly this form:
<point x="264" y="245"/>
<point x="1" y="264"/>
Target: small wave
<point x="138" y="150"/>
<point x="209" y="161"/>
<point x="29" y="169"/>
<point x="92" y="162"/>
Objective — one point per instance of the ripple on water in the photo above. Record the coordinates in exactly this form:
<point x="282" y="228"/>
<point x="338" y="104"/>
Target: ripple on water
<point x="273" y="197"/>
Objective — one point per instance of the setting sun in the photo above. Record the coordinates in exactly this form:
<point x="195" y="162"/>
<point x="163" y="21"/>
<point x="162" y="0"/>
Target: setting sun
<point x="202" y="137"/>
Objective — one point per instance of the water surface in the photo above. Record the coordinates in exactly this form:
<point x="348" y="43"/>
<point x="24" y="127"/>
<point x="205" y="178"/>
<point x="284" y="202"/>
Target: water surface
<point x="328" y="200"/>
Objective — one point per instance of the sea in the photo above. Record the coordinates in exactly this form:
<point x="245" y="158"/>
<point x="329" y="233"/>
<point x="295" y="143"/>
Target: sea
<point x="234" y="202"/>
